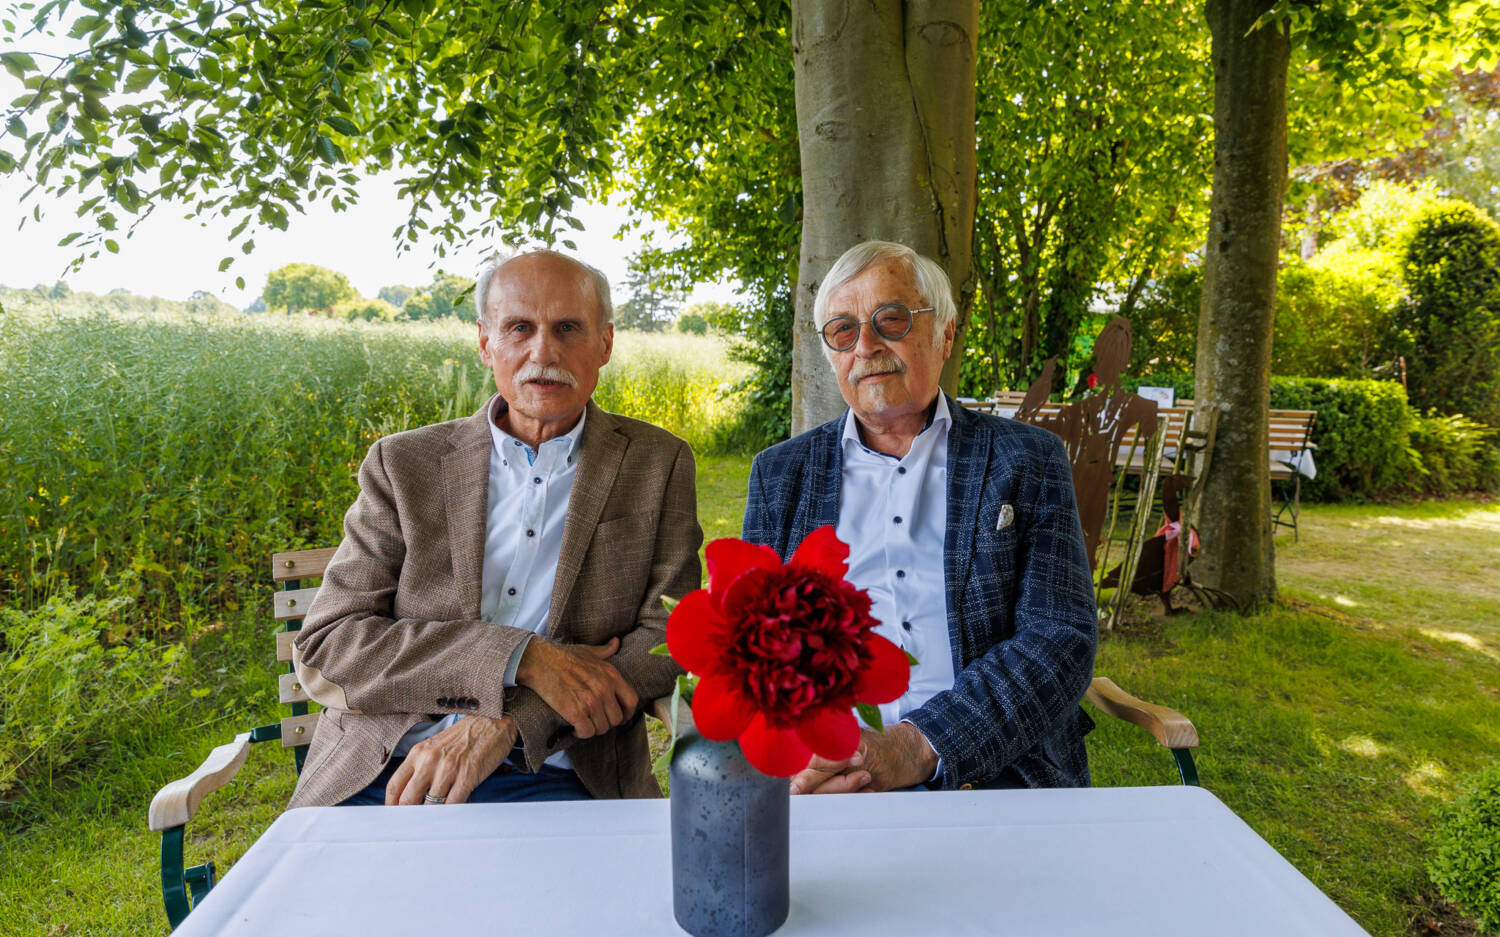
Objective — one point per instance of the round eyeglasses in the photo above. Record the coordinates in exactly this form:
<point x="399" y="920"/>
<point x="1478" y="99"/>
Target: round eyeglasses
<point x="891" y="322"/>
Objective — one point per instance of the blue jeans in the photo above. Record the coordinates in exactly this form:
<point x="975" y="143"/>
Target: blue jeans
<point x="506" y="785"/>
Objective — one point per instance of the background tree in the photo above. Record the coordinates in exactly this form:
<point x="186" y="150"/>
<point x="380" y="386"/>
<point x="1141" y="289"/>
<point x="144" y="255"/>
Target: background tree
<point x="654" y="300"/>
<point x="304" y="287"/>
<point x="395" y="295"/>
<point x="448" y="295"/>
<point x="367" y="310"/>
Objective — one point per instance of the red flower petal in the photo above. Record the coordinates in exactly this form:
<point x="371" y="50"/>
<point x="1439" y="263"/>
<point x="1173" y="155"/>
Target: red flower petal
<point x="776" y="752"/>
<point x="696" y="634"/>
<point x="729" y="557"/>
<point x="822" y="550"/>
<point x="888" y="674"/>
<point x="831" y="733"/>
<point x="719" y="711"/>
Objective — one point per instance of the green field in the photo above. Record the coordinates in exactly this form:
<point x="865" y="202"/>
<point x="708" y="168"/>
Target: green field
<point x="152" y="463"/>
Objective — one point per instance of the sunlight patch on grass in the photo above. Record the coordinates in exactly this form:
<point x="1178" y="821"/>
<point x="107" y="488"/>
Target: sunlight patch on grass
<point x="1345" y="601"/>
<point x="1363" y="746"/>
<point x="1422" y="777"/>
<point x="1458" y="637"/>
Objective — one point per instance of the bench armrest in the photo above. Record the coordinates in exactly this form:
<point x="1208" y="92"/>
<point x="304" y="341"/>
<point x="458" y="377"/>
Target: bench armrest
<point x="1170" y="727"/>
<point x="175" y="804"/>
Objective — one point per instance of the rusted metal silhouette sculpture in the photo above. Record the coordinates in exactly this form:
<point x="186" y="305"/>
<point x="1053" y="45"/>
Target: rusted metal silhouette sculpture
<point x="1093" y="428"/>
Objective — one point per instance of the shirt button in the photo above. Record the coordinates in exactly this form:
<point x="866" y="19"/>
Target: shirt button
<point x="537" y="480"/>
<point x="505" y="462"/>
<point x="511" y="591"/>
<point x="515" y="442"/>
<point x="906" y="625"/>
<point x="898" y="518"/>
<point x="900" y="574"/>
<point x="531" y="533"/>
<point x="900" y="470"/>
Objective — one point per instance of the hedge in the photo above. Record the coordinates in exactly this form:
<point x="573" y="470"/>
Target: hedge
<point x="1371" y="443"/>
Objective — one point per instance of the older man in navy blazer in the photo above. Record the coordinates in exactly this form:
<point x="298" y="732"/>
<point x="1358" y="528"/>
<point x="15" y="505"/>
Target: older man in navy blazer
<point x="963" y="528"/>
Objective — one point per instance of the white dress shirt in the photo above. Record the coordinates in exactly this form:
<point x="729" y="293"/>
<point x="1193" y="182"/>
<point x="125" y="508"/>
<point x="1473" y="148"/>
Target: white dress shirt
<point x="893" y="515"/>
<point x="523" y="531"/>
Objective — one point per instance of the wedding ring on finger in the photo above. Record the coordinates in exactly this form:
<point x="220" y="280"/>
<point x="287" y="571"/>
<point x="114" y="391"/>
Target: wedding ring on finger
<point x="429" y="799"/>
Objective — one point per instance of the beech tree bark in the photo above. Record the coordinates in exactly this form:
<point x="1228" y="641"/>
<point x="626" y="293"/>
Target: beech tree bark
<point x="885" y="115"/>
<point x="1239" y="291"/>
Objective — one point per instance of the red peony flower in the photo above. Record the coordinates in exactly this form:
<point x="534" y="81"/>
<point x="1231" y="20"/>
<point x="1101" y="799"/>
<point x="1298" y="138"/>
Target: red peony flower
<point x="783" y="652"/>
<point x="1093" y="381"/>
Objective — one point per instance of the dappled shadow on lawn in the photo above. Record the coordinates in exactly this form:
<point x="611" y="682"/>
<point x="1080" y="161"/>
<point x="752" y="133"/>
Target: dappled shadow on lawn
<point x="1433" y="567"/>
<point x="1334" y="736"/>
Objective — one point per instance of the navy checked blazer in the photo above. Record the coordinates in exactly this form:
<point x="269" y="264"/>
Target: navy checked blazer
<point x="1021" y="617"/>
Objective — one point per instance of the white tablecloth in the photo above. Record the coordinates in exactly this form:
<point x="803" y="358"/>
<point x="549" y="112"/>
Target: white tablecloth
<point x="1119" y="861"/>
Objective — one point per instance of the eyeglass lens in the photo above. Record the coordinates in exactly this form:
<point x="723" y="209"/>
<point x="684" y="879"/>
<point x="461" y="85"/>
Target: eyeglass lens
<point x="891" y="322"/>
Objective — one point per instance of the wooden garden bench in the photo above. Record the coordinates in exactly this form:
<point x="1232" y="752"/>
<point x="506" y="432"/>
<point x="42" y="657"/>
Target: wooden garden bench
<point x="175" y="804"/>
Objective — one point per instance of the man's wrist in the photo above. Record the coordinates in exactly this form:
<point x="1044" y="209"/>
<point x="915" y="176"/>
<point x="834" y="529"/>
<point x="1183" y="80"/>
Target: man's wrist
<point x="922" y="754"/>
<point x="532" y="656"/>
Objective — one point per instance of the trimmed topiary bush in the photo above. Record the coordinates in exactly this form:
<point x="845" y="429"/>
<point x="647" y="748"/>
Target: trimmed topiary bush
<point x="1449" y="328"/>
<point x="1465" y="863"/>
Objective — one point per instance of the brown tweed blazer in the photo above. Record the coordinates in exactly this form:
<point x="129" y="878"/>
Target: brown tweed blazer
<point x="394" y="635"/>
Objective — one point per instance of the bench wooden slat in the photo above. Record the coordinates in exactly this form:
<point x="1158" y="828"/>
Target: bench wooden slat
<point x="300" y="564"/>
<point x="292" y="603"/>
<point x="284" y="646"/>
<point x="297" y="731"/>
<point x="288" y="690"/>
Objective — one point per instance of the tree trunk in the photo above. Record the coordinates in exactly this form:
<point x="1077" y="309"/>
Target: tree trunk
<point x="1239" y="292"/>
<point x="885" y="119"/>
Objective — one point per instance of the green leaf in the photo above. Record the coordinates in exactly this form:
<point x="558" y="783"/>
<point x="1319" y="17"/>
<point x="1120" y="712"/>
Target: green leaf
<point x="660" y="650"/>
<point x="18" y="63"/>
<point x="670" y="602"/>
<point x="360" y="43"/>
<point x="327" y="150"/>
<point x="224" y="264"/>
<point x="910" y="659"/>
<point x="112" y="246"/>
<point x="95" y="108"/>
<point x="871" y="715"/>
<point x="239" y="283"/>
<point x="75" y="236"/>
<point x="342" y="124"/>
<point x="139" y="79"/>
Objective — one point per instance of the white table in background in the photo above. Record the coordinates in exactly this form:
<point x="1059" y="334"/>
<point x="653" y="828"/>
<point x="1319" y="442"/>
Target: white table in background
<point x="1120" y="861"/>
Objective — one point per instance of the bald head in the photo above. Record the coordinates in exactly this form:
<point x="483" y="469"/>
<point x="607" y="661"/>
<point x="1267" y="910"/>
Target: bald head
<point x="547" y="269"/>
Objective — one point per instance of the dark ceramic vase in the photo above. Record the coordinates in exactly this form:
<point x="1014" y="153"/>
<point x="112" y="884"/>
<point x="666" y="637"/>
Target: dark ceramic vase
<point x="729" y="842"/>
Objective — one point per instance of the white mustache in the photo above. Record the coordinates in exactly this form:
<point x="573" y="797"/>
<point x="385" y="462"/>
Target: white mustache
<point x="551" y="372"/>
<point x="881" y="364"/>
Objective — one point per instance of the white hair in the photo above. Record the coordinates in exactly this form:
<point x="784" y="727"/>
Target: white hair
<point x="927" y="276"/>
<point x="496" y="264"/>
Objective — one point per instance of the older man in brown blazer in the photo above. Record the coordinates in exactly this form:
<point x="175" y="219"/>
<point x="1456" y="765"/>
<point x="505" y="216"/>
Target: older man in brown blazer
<point x="483" y="632"/>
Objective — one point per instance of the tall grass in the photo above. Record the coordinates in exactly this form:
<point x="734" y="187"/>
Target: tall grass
<point x="179" y="449"/>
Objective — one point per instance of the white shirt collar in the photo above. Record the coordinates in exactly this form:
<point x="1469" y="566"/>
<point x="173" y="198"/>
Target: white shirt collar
<point x="941" y="420"/>
<point x="568" y="442"/>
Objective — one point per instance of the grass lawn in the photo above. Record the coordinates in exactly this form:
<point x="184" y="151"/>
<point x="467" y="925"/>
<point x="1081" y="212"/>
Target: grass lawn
<point x="1334" y="724"/>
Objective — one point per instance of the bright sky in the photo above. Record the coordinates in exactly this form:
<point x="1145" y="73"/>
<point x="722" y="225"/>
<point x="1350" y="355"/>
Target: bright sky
<point x="172" y="256"/>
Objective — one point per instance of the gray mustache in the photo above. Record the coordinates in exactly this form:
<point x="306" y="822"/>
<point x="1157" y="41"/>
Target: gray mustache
<point x="882" y="364"/>
<point x="551" y="372"/>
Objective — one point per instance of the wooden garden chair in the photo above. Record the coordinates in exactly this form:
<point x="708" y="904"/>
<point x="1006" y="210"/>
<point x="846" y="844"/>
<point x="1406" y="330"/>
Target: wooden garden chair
<point x="1291" y="434"/>
<point x="175" y="804"/>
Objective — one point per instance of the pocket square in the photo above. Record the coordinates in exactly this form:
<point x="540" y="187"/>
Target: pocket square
<point x="1006" y="517"/>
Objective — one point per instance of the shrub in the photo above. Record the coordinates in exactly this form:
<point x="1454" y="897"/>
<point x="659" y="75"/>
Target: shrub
<point x="1363" y="434"/>
<point x="64" y="684"/>
<point x="1454" y="454"/>
<point x="1449" y="329"/>
<point x="1465" y="863"/>
<point x="366" y="310"/>
<point x="1333" y="314"/>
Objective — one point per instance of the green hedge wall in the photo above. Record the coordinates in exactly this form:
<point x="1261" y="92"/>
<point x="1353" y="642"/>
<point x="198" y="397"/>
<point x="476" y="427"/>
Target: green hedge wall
<point x="1371" y="443"/>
